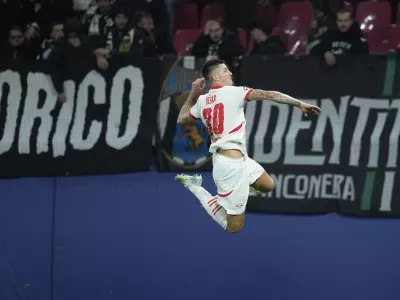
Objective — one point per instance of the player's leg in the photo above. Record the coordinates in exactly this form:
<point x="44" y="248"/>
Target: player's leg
<point x="230" y="177"/>
<point x="259" y="179"/>
<point x="235" y="223"/>
<point x="264" y="183"/>
<point x="208" y="202"/>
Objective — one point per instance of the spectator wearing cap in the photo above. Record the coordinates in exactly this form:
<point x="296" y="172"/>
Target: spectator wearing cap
<point x="217" y="42"/>
<point x="264" y="42"/>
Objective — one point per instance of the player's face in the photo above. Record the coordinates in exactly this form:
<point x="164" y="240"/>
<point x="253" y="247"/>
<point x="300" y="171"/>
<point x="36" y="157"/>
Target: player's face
<point x="224" y="75"/>
<point x="344" y="21"/>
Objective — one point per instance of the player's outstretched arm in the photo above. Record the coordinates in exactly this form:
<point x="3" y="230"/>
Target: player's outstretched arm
<point x="284" y="99"/>
<point x="197" y="89"/>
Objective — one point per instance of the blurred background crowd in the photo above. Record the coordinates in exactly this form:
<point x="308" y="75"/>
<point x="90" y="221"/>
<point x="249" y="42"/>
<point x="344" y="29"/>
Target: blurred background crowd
<point x="58" y="30"/>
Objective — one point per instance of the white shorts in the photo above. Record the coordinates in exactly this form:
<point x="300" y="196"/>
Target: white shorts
<point x="233" y="176"/>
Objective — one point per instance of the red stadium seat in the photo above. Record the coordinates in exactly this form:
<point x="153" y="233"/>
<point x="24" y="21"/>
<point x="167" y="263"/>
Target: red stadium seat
<point x="242" y="35"/>
<point x="213" y="11"/>
<point x="393" y="38"/>
<point x="348" y="7"/>
<point x="184" y="40"/>
<point x="266" y="13"/>
<point x="374" y="19"/>
<point x="295" y="17"/>
<point x="276" y="31"/>
<point x="373" y="14"/>
<point x="297" y="44"/>
<point x="186" y="16"/>
<point x="398" y="15"/>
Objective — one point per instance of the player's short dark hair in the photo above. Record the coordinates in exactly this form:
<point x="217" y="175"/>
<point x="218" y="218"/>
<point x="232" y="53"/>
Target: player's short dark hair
<point x="210" y="66"/>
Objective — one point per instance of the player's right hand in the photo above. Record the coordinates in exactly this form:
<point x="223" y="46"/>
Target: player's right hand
<point x="198" y="85"/>
<point x="309" y="109"/>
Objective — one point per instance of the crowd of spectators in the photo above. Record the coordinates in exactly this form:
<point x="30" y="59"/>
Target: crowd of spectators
<point x="32" y="28"/>
<point x="60" y="30"/>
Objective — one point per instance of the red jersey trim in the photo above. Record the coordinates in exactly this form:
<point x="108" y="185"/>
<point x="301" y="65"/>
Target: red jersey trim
<point x="248" y="94"/>
<point x="193" y="117"/>
<point x="216" y="87"/>
<point x="236" y="128"/>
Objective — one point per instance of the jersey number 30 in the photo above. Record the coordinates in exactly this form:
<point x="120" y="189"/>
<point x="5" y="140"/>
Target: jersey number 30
<point x="214" y="118"/>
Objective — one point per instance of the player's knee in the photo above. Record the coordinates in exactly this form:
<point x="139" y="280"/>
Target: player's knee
<point x="271" y="186"/>
<point x="234" y="227"/>
<point x="264" y="184"/>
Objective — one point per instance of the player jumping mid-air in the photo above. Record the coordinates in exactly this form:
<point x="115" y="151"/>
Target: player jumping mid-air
<point x="234" y="173"/>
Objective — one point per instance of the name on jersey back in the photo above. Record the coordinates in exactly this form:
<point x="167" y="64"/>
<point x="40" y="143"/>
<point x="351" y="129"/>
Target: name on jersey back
<point x="211" y="99"/>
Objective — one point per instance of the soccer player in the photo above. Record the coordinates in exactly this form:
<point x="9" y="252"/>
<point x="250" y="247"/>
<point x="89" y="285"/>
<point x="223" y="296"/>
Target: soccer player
<point x="222" y="112"/>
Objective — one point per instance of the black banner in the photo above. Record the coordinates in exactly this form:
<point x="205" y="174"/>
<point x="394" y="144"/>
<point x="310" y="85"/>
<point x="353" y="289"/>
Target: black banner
<point x="106" y="125"/>
<point x="344" y="160"/>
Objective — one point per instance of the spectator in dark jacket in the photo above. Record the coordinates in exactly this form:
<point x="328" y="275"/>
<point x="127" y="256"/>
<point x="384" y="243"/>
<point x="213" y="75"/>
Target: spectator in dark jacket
<point x="317" y="36"/>
<point x="126" y="40"/>
<point x="346" y="39"/>
<point x="98" y="25"/>
<point x="72" y="51"/>
<point x="217" y="42"/>
<point x="48" y="44"/>
<point x="159" y="36"/>
<point x="17" y="50"/>
<point x="264" y="43"/>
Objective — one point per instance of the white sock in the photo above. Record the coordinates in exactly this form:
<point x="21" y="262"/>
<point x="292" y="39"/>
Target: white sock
<point x="210" y="204"/>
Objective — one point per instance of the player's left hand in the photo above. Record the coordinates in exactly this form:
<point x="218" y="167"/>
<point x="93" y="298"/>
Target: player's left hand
<point x="307" y="109"/>
<point x="198" y="85"/>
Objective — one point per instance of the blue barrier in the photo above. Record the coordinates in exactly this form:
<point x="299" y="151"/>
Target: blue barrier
<point x="143" y="236"/>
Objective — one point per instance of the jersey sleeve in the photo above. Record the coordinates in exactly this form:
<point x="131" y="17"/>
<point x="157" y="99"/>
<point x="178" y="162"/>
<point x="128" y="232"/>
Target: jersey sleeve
<point x="241" y="94"/>
<point x="194" y="111"/>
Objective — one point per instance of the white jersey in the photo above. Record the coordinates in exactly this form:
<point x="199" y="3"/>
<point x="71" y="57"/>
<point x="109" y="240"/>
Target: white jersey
<point x="222" y="112"/>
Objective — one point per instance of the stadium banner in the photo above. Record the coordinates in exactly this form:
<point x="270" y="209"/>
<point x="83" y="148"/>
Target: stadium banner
<point x="180" y="147"/>
<point x="106" y="125"/>
<point x="344" y="160"/>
